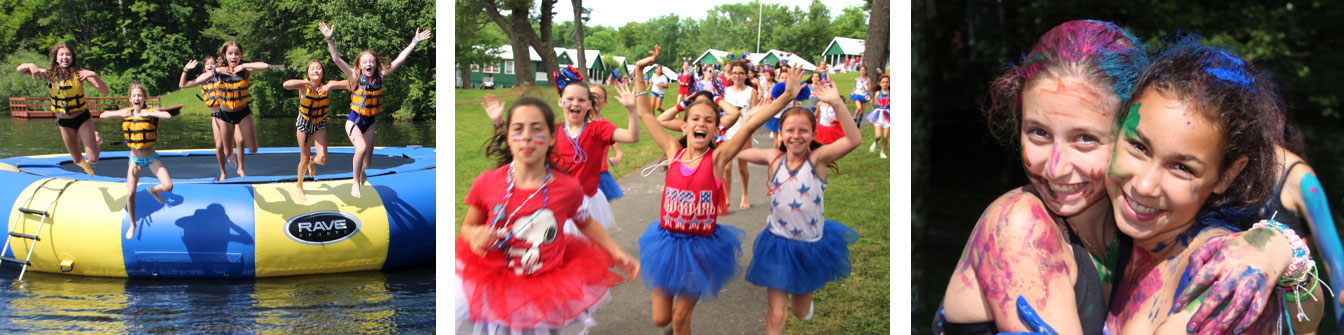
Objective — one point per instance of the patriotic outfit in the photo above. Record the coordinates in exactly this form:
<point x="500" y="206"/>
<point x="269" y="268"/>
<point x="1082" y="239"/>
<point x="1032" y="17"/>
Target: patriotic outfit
<point x="582" y="156"/>
<point x="538" y="278"/>
<point x="860" y="93"/>
<point x="881" y="114"/>
<point x="828" y="130"/>
<point x="686" y="253"/>
<point x="799" y="251"/>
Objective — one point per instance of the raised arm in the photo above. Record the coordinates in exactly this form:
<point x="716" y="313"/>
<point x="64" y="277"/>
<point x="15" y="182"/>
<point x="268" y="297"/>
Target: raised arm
<point x="182" y="81"/>
<point x="31" y="70"/>
<point x="825" y="91"/>
<point x="93" y="79"/>
<point x="494" y="109"/>
<point x="331" y="47"/>
<point x="728" y="150"/>
<point x="668" y="119"/>
<point x="420" y="35"/>
<point x="645" y="107"/>
<point x="730" y="113"/>
<point x="630" y="134"/>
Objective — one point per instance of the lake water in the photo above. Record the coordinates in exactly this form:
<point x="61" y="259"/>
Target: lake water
<point x="400" y="300"/>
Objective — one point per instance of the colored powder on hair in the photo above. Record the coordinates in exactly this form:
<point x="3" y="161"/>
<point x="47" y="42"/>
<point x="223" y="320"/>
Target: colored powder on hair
<point x="1230" y="75"/>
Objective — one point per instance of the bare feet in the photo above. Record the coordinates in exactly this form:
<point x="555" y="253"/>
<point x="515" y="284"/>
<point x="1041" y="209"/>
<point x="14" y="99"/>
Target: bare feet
<point x="354" y="190"/>
<point x="221" y="176"/>
<point x="299" y="194"/>
<point x="240" y="173"/>
<point x="130" y="232"/>
<point x="155" y="194"/>
<point x="98" y="137"/>
<point x="745" y="204"/>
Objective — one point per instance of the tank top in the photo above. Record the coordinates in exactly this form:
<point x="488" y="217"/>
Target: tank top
<point x="797" y="211"/>
<point x="691" y="201"/>
<point x="741" y="99"/>
<point x="860" y="86"/>
<point x="1273" y="205"/>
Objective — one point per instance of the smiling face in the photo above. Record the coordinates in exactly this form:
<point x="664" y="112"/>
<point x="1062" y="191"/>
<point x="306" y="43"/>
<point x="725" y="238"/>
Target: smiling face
<point x="700" y="126"/>
<point x="209" y="64"/>
<point x="797" y="131"/>
<point x="738" y="75"/>
<point x="64" y="58"/>
<point x="315" y="71"/>
<point x="529" y="135"/>
<point x="885" y="83"/>
<point x="1066" y="142"/>
<point x="574" y="103"/>
<point x="137" y="97"/>
<point x="1166" y="165"/>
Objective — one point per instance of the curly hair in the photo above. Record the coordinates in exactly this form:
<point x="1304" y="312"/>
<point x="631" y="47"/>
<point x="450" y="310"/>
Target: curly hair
<point x="1233" y="94"/>
<point x="57" y="73"/>
<point x="1102" y="53"/>
<point x="498" y="144"/>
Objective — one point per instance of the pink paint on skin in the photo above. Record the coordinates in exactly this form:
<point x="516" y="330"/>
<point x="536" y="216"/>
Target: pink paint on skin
<point x="1054" y="160"/>
<point x="992" y="261"/>
<point x="1139" y="288"/>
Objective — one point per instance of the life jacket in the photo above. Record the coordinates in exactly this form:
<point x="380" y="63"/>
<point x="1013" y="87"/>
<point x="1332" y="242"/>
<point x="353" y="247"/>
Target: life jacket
<point x="140" y="131"/>
<point x="313" y="105"/>
<point x="233" y="90"/>
<point x="210" y="93"/>
<point x="367" y="98"/>
<point x="67" y="96"/>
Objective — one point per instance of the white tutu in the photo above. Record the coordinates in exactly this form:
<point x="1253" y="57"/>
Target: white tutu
<point x="599" y="209"/>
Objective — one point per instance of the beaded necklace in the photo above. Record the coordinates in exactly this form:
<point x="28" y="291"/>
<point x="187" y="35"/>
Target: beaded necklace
<point x="508" y="193"/>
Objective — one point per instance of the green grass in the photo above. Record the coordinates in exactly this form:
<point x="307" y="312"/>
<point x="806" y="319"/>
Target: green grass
<point x="187" y="97"/>
<point x="858" y="197"/>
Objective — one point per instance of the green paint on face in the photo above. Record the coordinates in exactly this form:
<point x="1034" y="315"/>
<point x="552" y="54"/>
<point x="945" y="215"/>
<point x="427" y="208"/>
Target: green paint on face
<point x="1131" y="125"/>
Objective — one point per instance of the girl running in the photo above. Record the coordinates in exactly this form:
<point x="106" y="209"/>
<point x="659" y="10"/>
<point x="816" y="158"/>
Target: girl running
<point x="659" y="88"/>
<point x="693" y="256"/>
<point x="520" y="271"/>
<point x="65" y="82"/>
<point x="366" y="97"/>
<point x="860" y="95"/>
<point x="800" y="251"/>
<point x="881" y="116"/>
<point x="742" y="96"/>
<point x="607" y="184"/>
<point x="140" y="127"/>
<point x="311" y="123"/>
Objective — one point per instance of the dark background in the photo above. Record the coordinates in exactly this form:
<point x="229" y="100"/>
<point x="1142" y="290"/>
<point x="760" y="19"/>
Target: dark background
<point x="959" y="46"/>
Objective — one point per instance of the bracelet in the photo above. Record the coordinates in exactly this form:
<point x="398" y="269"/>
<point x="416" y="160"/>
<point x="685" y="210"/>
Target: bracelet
<point x="1297" y="270"/>
<point x="641" y="93"/>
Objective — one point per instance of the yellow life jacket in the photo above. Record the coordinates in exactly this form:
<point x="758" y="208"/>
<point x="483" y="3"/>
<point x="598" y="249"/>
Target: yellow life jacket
<point x="367" y="98"/>
<point x="313" y="105"/>
<point x="140" y="131"/>
<point x="67" y="96"/>
<point x="233" y="91"/>
<point x="210" y="93"/>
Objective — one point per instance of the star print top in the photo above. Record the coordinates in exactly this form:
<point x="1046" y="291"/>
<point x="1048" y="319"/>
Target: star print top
<point x="532" y="249"/>
<point x="692" y="197"/>
<point x="797" y="210"/>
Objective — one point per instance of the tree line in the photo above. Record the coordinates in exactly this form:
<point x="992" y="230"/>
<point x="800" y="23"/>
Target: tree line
<point x="151" y="41"/>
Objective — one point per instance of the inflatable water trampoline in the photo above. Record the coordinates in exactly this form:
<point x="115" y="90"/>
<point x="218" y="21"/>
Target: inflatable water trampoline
<point x="236" y="228"/>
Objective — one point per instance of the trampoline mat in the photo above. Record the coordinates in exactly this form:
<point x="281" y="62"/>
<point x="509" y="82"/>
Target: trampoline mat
<point x="255" y="165"/>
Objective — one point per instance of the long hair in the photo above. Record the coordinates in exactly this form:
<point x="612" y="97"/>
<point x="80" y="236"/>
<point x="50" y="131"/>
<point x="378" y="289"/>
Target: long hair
<point x="57" y="73"/>
<point x="380" y="65"/>
<point x="1099" y="52"/>
<point x="135" y="85"/>
<point x="592" y="112"/>
<point x="812" y="122"/>
<point x="1235" y="96"/>
<point x="498" y="144"/>
<point x="319" y="65"/>
<point x="717" y="112"/>
<point x="223" y="61"/>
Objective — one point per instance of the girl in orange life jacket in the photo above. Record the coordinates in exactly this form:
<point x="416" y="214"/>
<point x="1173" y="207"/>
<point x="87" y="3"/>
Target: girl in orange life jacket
<point x="65" y="80"/>
<point x="800" y="251"/>
<point x="140" y="128"/>
<point x="366" y="97"/>
<point x="693" y="256"/>
<point x="312" y="119"/>
<point x="211" y="96"/>
<point x="233" y="112"/>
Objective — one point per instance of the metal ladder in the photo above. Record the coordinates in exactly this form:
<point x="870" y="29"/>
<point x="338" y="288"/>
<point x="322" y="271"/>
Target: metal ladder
<point x="28" y="211"/>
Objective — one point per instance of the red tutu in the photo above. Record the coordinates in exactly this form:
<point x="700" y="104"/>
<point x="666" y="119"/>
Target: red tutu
<point x="829" y="134"/>
<point x="495" y="295"/>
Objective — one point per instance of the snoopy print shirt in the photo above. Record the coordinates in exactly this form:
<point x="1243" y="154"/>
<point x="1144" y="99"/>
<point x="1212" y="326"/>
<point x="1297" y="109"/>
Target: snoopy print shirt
<point x="533" y="226"/>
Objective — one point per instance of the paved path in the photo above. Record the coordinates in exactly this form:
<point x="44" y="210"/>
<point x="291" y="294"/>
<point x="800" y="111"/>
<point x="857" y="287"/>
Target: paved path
<point x="740" y="308"/>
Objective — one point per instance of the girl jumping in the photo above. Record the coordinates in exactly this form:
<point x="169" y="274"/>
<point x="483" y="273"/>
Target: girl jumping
<point x="140" y="127"/>
<point x="65" y="81"/>
<point x="366" y="97"/>
<point x="311" y="123"/>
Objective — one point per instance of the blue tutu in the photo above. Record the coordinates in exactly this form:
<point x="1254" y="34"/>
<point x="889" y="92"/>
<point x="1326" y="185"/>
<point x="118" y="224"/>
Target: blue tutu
<point x="801" y="267"/>
<point x="772" y="124"/>
<point x="690" y="266"/>
<point x="609" y="187"/>
<point x="858" y="97"/>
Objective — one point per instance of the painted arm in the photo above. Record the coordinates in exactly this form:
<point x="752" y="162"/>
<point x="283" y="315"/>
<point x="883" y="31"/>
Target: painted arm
<point x="1240" y="269"/>
<point x="1016" y="250"/>
<point x="331" y="48"/>
<point x="644" y="106"/>
<point x="93" y="79"/>
<point x="727" y="151"/>
<point x="596" y="233"/>
<point x="828" y="93"/>
<point x="1322" y="224"/>
<point x="420" y="35"/>
<point x="629" y="134"/>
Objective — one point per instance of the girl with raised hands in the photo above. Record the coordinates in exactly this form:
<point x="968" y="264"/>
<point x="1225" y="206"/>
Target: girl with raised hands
<point x="212" y="96"/>
<point x="231" y="107"/>
<point x="693" y="257"/>
<point x="366" y="97"/>
<point x="311" y="123"/>
<point x="65" y="81"/>
<point x="140" y="129"/>
<point x="800" y="250"/>
<point x="520" y="270"/>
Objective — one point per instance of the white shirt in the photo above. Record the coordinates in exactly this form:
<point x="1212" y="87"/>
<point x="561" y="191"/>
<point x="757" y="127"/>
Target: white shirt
<point x="658" y="79"/>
